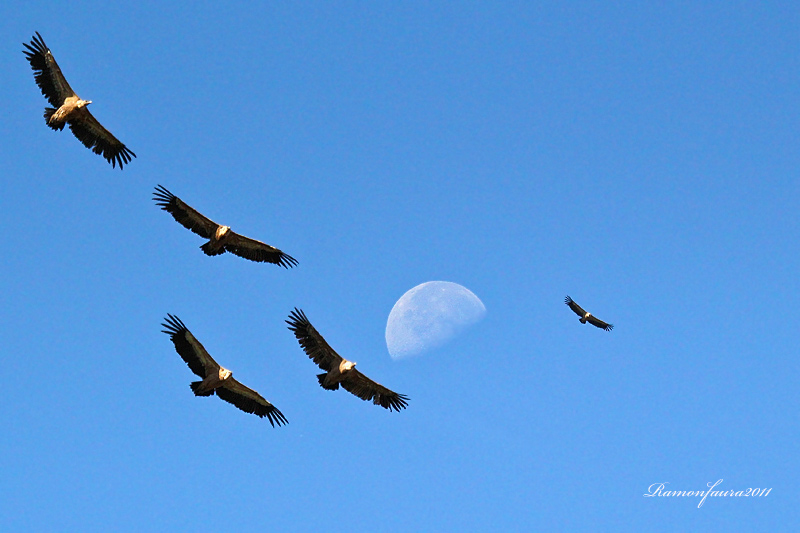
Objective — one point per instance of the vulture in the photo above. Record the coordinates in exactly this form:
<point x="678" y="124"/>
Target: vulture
<point x="69" y="108"/>
<point x="586" y="316"/>
<point x="220" y="238"/>
<point x="338" y="370"/>
<point x="215" y="378"/>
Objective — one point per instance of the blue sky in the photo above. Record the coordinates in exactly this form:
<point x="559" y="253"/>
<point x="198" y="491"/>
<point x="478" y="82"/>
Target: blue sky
<point x="640" y="157"/>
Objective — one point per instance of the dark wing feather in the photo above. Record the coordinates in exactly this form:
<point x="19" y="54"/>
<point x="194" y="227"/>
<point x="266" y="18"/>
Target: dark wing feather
<point x="312" y="342"/>
<point x="366" y="389"/>
<point x="593" y="320"/>
<point x="250" y="401"/>
<point x="186" y="215"/>
<point x="575" y="307"/>
<point x="98" y="139"/>
<point x="46" y="72"/>
<point x="189" y="348"/>
<point x="257" y="251"/>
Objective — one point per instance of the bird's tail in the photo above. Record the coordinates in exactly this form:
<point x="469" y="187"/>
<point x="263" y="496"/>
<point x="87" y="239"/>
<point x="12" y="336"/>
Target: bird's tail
<point x="208" y="249"/>
<point x="582" y="320"/>
<point x="195" y="385"/>
<point x="321" y="379"/>
<point x="48" y="114"/>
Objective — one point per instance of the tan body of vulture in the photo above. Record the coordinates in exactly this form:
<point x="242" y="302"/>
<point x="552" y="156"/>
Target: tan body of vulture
<point x="586" y="316"/>
<point x="69" y="108"/>
<point x="340" y="371"/>
<point x="220" y="238"/>
<point x="215" y="378"/>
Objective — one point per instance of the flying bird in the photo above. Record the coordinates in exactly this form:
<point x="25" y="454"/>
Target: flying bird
<point x="69" y="108"/>
<point x="217" y="379"/>
<point x="221" y="238"/>
<point x="586" y="316"/>
<point x="340" y="371"/>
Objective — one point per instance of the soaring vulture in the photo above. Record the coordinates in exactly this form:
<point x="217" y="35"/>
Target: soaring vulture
<point x="586" y="316"/>
<point x="340" y="371"/>
<point x="69" y="108"/>
<point x="220" y="238"/>
<point x="215" y="378"/>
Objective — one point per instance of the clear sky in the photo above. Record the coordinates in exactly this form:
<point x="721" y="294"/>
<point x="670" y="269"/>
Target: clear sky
<point x="640" y="157"/>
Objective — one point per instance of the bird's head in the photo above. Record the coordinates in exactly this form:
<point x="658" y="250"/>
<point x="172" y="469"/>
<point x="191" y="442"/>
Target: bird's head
<point x="83" y="103"/>
<point x="221" y="231"/>
<point x="349" y="365"/>
<point x="225" y="374"/>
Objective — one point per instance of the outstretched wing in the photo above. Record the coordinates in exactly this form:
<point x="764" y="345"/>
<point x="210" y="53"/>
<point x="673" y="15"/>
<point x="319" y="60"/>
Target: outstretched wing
<point x="46" y="72"/>
<point x="312" y="342"/>
<point x="98" y="139"/>
<point x="249" y="401"/>
<point x="257" y="251"/>
<point x="189" y="348"/>
<point x="186" y="215"/>
<point x="575" y="307"/>
<point x="366" y="389"/>
<point x="593" y="320"/>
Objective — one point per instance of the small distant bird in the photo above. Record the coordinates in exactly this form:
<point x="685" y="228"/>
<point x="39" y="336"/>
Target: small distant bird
<point x="340" y="371"/>
<point x="69" y="108"/>
<point x="217" y="379"/>
<point x="221" y="238"/>
<point x="586" y="316"/>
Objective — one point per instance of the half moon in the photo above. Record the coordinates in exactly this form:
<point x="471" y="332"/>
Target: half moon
<point x="429" y="315"/>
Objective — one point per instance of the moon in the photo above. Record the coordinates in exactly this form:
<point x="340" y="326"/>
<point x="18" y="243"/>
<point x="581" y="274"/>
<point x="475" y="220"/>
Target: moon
<point x="429" y="315"/>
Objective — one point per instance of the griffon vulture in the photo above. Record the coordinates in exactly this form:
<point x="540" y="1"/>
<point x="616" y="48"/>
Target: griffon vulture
<point x="586" y="316"/>
<point x="340" y="371"/>
<point x="215" y="378"/>
<point x="221" y="238"/>
<point x="69" y="108"/>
